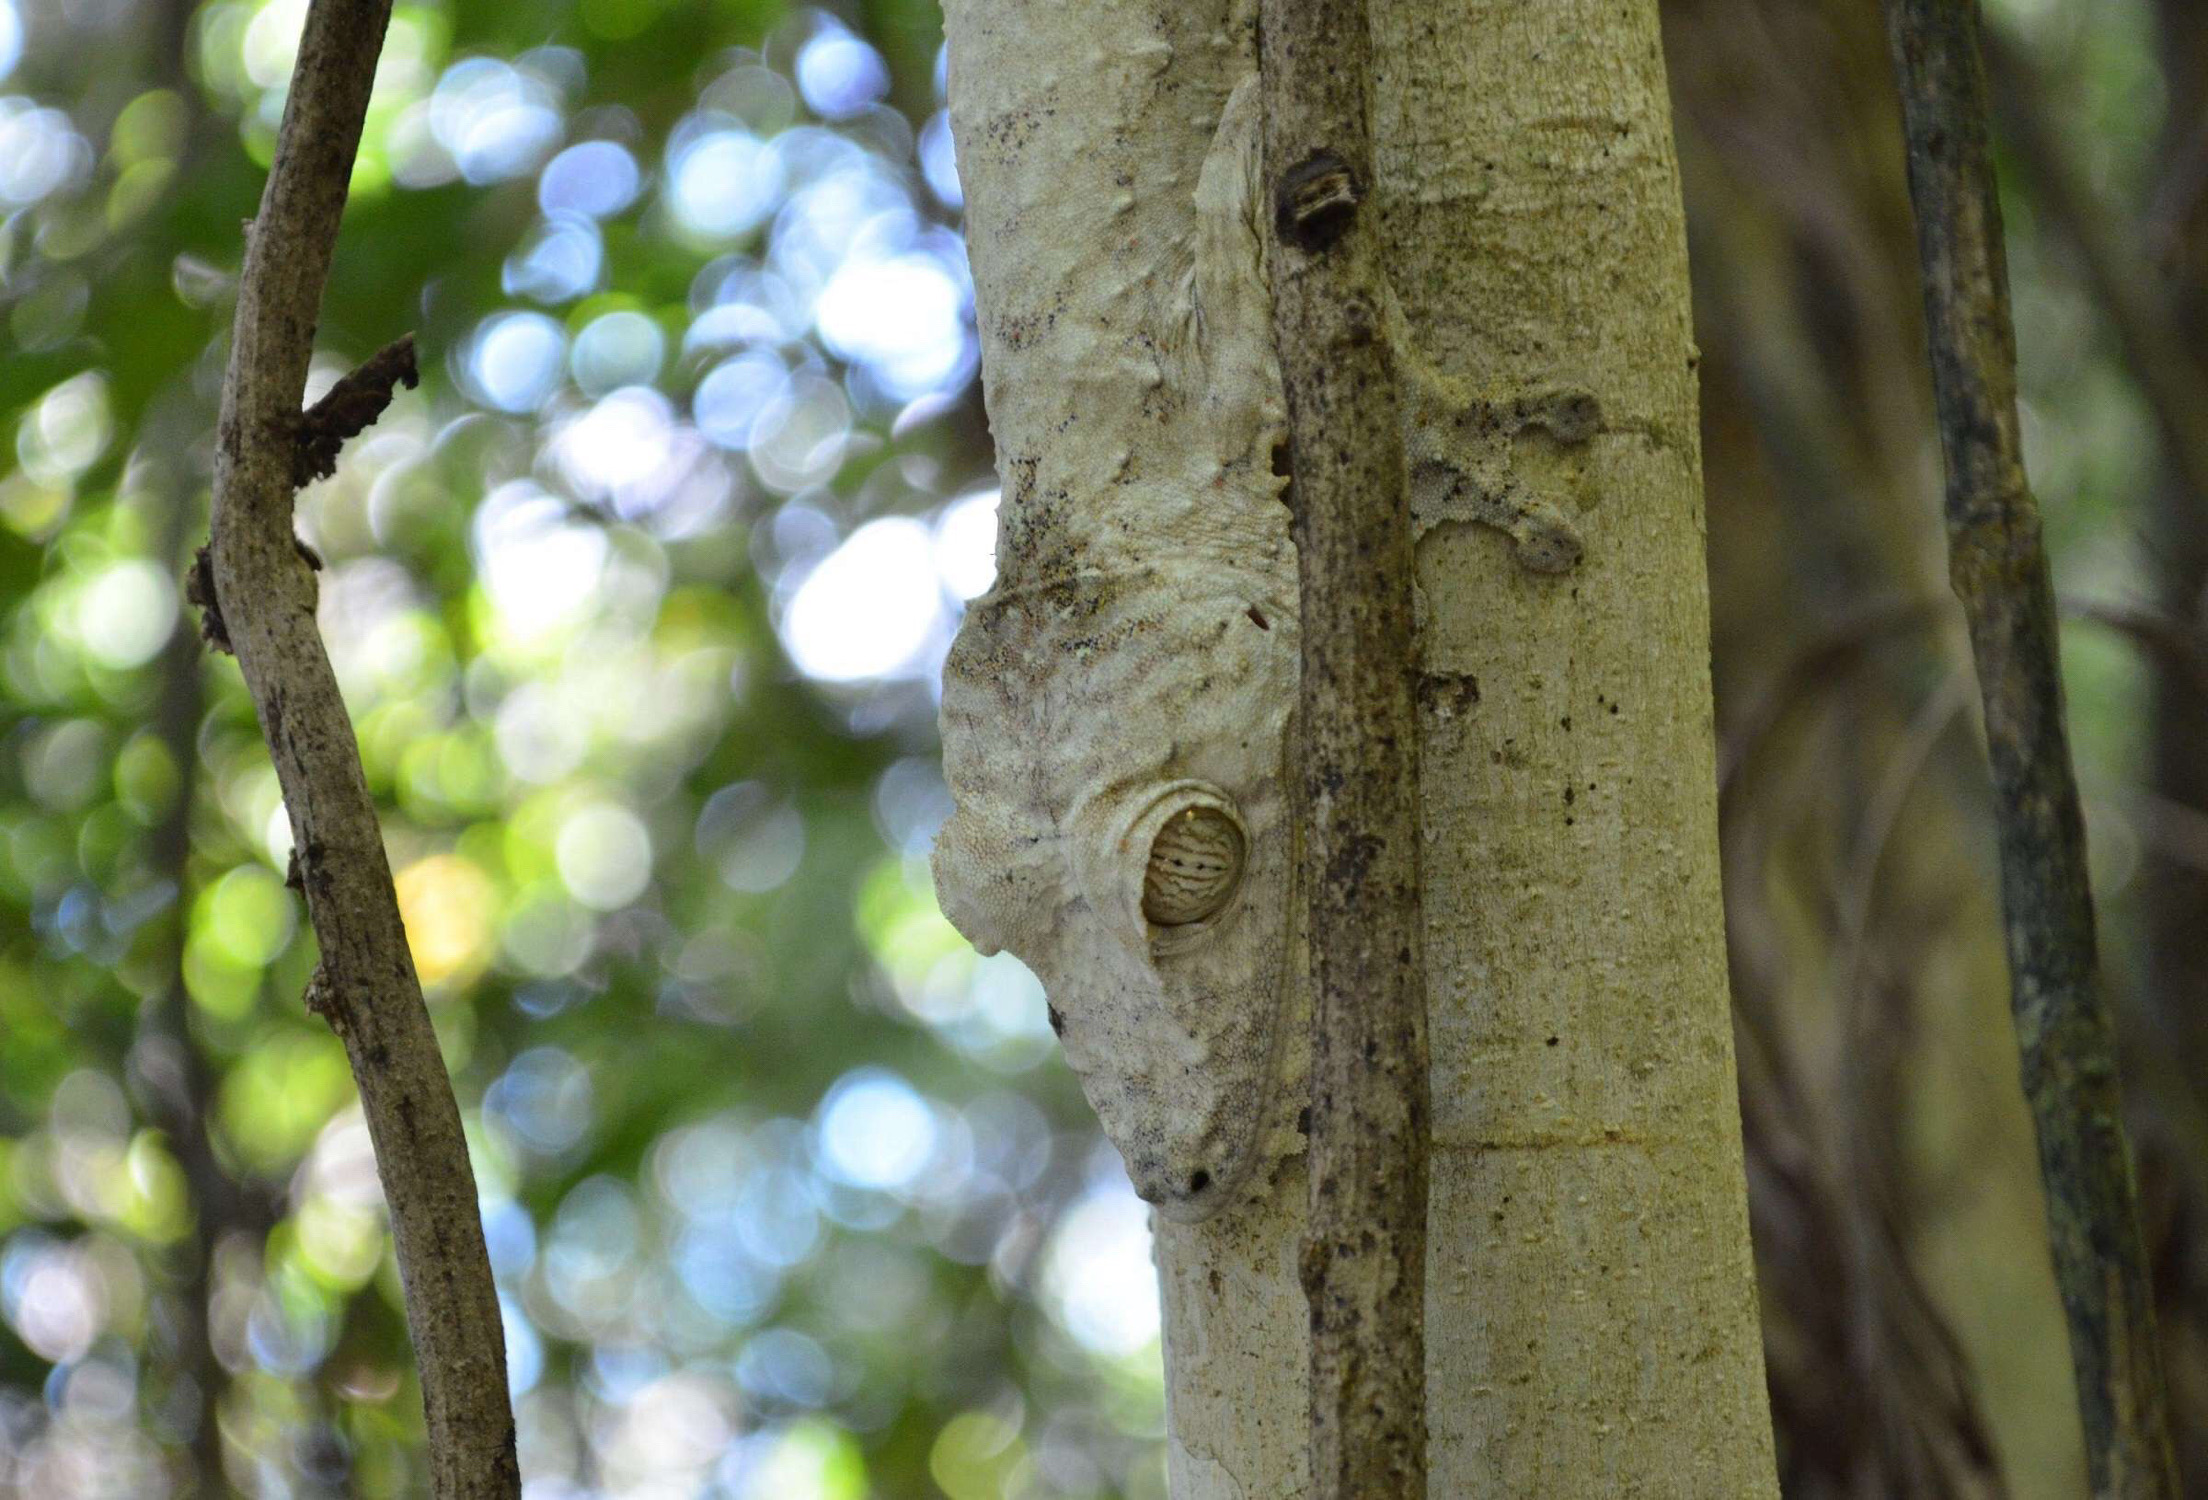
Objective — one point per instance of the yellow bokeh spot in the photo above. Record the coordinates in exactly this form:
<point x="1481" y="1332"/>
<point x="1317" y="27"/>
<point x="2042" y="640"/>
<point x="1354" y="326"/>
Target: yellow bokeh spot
<point x="340" y="1244"/>
<point x="813" y="1460"/>
<point x="150" y="128"/>
<point x="449" y="906"/>
<point x="157" y="1206"/>
<point x="976" y="1456"/>
<point x="247" y="916"/>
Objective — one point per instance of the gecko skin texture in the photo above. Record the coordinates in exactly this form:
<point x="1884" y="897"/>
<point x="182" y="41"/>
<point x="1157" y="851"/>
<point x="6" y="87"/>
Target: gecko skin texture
<point x="1081" y="719"/>
<point x="1116" y="712"/>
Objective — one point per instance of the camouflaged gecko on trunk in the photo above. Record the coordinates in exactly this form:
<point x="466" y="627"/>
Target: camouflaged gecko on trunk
<point x="1116" y="711"/>
<point x="1115" y="726"/>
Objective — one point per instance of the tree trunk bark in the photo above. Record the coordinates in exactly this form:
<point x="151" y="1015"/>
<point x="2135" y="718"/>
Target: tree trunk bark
<point x="1592" y="1305"/>
<point x="1590" y="1314"/>
<point x="1356" y="748"/>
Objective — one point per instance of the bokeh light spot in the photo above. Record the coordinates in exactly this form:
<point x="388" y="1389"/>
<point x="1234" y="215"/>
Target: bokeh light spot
<point x="496" y="120"/>
<point x="1097" y="1273"/>
<point x="450" y="909"/>
<point x="558" y="262"/>
<point x="838" y="74"/>
<point x="965" y="546"/>
<point x="11" y="37"/>
<point x="875" y="1130"/>
<point x="939" y="160"/>
<point x="729" y="400"/>
<point x="605" y="856"/>
<point x="617" y="349"/>
<point x="594" y="178"/>
<point x="902" y="316"/>
<point x="869" y="608"/>
<point x="752" y="839"/>
<point x="539" y="564"/>
<point x="514" y="360"/>
<point x="724" y="182"/>
<point x="40" y="152"/>
<point x="126" y="613"/>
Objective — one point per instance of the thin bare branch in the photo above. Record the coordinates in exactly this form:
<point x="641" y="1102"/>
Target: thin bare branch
<point x="265" y="585"/>
<point x="1998" y="565"/>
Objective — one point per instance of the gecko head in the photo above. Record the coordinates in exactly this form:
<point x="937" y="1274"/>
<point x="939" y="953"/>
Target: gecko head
<point x="1115" y="748"/>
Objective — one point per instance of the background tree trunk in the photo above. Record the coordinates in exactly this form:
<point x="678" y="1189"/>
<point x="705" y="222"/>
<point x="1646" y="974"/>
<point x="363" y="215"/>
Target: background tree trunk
<point x="1592" y="1319"/>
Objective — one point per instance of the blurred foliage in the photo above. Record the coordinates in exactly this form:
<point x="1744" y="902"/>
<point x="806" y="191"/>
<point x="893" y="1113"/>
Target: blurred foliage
<point x="638" y="604"/>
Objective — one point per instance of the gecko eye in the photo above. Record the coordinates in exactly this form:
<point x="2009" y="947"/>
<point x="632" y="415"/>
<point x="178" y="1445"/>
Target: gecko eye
<point x="1195" y="865"/>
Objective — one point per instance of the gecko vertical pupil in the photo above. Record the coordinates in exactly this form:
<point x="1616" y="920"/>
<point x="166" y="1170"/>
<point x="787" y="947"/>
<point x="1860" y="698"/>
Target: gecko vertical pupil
<point x="1195" y="865"/>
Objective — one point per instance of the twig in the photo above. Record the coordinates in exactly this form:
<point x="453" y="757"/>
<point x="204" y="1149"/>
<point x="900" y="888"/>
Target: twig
<point x="1870" y="1392"/>
<point x="1858" y="892"/>
<point x="1364" y="1258"/>
<point x="1866" y="1378"/>
<point x="365" y="984"/>
<point x="2171" y="829"/>
<point x="1998" y="565"/>
<point x="348" y="407"/>
<point x="2182" y="647"/>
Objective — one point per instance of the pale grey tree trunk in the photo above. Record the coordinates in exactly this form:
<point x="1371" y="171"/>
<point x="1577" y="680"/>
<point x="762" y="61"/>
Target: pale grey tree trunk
<point x="1591" y="1317"/>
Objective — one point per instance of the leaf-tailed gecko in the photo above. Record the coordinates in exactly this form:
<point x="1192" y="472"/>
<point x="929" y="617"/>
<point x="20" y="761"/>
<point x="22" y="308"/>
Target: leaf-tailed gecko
<point x="1116" y="711"/>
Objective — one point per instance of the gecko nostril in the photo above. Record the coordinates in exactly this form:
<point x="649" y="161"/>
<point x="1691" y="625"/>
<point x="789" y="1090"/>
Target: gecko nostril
<point x="1199" y="1180"/>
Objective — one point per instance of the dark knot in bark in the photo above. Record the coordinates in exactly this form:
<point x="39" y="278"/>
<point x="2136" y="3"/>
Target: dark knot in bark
<point x="1316" y="200"/>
